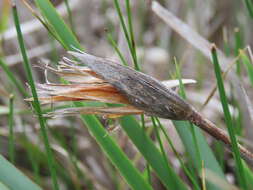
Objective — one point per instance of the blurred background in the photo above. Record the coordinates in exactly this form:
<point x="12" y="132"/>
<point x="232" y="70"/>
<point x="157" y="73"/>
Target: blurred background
<point x="226" y="23"/>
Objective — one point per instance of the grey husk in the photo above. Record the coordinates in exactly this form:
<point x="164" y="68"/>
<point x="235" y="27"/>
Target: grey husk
<point x="152" y="97"/>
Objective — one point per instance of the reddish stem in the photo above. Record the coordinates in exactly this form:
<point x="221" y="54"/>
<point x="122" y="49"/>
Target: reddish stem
<point x="203" y="123"/>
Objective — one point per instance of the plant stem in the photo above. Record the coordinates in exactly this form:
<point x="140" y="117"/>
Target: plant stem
<point x="197" y="119"/>
<point x="11" y="136"/>
<point x="36" y="103"/>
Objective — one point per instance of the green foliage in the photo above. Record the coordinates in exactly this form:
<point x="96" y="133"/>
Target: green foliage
<point x="60" y="29"/>
<point x="248" y="65"/>
<point x="36" y="103"/>
<point x="132" y="176"/>
<point x="12" y="78"/>
<point x="228" y="119"/>
<point x="11" y="178"/>
<point x="149" y="151"/>
<point x="152" y="149"/>
<point x="249" y="6"/>
<point x="195" y="143"/>
<point x="11" y="135"/>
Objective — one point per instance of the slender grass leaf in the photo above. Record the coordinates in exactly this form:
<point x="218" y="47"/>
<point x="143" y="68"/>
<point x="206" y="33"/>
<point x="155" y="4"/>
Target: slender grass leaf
<point x="3" y="187"/>
<point x="36" y="103"/>
<point x="238" y="46"/>
<point x="249" y="175"/>
<point x="221" y="183"/>
<point x="61" y="29"/>
<point x="12" y="78"/>
<point x="228" y="120"/>
<point x="115" y="154"/>
<point x="249" y="66"/>
<point x="147" y="148"/>
<point x="11" y="135"/>
<point x="114" y="45"/>
<point x="184" y="130"/>
<point x="249" y="6"/>
<point x="70" y="16"/>
<point x="129" y="37"/>
<point x="187" y="172"/>
<point x="12" y="178"/>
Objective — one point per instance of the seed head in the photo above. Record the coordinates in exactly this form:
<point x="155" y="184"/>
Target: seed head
<point x="142" y="91"/>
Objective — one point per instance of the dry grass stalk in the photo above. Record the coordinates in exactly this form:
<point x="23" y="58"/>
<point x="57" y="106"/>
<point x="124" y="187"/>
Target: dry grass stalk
<point x="114" y="83"/>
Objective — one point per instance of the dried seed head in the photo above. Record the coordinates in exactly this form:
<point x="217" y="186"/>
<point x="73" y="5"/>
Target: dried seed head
<point x="115" y="83"/>
<point x="141" y="90"/>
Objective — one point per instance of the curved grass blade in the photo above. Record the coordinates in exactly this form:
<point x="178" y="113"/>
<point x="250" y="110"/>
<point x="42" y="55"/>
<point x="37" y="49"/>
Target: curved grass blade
<point x="12" y="178"/>
<point x="118" y="158"/>
<point x="153" y="156"/>
<point x="3" y="187"/>
<point x="196" y="144"/>
<point x="187" y="172"/>
<point x="249" y="175"/>
<point x="12" y="78"/>
<point x="249" y="6"/>
<point x="61" y="29"/>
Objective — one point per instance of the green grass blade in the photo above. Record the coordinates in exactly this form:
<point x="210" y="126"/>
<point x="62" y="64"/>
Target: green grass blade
<point x="70" y="17"/>
<point x="249" y="6"/>
<point x="36" y="103"/>
<point x="35" y="166"/>
<point x="196" y="145"/>
<point x="115" y="154"/>
<point x="12" y="78"/>
<point x="11" y="135"/>
<point x="12" y="178"/>
<point x="249" y="66"/>
<point x="60" y="28"/>
<point x="183" y="95"/>
<point x="187" y="172"/>
<point x="147" y="148"/>
<point x="3" y="187"/>
<point x="238" y="46"/>
<point x="160" y="143"/>
<point x="38" y="157"/>
<point x="147" y="169"/>
<point x="228" y="120"/>
<point x="148" y="174"/>
<point x="184" y="130"/>
<point x="249" y="175"/>
<point x="131" y="34"/>
<point x="129" y="40"/>
<point x="114" y="45"/>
